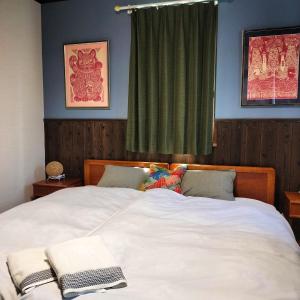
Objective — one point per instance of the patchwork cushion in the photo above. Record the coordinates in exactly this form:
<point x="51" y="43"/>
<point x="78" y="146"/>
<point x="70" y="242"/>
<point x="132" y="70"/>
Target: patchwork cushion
<point x="164" y="178"/>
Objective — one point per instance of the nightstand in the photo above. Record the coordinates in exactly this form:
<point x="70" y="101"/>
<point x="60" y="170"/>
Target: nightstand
<point x="292" y="207"/>
<point x="292" y="211"/>
<point x="46" y="187"/>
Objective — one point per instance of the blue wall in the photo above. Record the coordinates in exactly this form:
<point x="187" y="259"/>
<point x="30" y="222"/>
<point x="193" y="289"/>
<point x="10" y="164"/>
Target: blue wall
<point x="93" y="20"/>
<point x="235" y="17"/>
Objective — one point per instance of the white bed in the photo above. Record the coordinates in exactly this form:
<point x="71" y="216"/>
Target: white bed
<point x="168" y="245"/>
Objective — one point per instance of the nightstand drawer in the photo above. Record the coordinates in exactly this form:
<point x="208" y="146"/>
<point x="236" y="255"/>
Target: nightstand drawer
<point x="294" y="210"/>
<point x="44" y="187"/>
<point x="40" y="191"/>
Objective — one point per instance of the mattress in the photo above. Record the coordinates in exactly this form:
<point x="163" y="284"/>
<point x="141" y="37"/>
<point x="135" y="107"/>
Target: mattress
<point x="168" y="245"/>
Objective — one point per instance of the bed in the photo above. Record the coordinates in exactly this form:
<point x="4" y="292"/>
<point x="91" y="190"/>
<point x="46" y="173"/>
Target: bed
<point x="169" y="246"/>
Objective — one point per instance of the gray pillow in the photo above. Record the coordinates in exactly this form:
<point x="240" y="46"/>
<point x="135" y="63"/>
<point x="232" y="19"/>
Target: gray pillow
<point x="124" y="177"/>
<point x="210" y="184"/>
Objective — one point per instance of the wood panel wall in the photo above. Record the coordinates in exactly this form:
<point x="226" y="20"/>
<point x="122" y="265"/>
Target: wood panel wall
<point x="264" y="142"/>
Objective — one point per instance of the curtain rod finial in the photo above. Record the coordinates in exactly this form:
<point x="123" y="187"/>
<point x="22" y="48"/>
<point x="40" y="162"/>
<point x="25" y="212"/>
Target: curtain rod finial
<point x="117" y="8"/>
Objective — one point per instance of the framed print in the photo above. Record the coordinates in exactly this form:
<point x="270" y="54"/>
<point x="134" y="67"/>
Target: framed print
<point x="270" y="71"/>
<point x="87" y="75"/>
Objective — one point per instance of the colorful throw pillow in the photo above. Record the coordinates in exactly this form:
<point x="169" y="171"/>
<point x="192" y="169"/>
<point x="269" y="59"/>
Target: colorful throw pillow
<point x="164" y="178"/>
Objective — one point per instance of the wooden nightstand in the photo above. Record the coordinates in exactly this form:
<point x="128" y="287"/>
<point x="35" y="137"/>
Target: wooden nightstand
<point x="292" y="208"/>
<point x="292" y="211"/>
<point x="46" y="187"/>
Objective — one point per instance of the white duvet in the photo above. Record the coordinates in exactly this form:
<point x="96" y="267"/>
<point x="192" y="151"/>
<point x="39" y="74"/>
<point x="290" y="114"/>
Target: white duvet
<point x="170" y="247"/>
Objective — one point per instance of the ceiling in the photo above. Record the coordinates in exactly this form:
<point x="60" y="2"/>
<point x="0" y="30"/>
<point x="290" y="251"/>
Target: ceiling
<point x="47" y="1"/>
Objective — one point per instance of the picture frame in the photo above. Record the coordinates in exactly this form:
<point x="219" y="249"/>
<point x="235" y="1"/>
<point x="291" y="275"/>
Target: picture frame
<point x="270" y="68"/>
<point x="87" y="75"/>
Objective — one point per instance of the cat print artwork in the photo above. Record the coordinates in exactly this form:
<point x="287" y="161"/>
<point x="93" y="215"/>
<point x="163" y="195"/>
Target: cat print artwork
<point x="86" y="75"/>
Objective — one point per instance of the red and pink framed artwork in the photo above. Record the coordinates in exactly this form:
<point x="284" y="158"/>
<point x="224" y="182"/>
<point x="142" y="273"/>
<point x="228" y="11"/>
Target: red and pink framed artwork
<point x="87" y="75"/>
<point x="270" y="72"/>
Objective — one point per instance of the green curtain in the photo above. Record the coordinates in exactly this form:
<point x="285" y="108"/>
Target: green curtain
<point x="172" y="79"/>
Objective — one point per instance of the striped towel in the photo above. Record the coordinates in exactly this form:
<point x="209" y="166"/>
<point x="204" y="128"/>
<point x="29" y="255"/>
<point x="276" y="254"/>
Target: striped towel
<point x="30" y="268"/>
<point x="84" y="265"/>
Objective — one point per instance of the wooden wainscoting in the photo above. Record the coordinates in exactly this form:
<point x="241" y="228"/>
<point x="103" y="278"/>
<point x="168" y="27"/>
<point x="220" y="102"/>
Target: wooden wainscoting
<point x="269" y="143"/>
<point x="72" y="141"/>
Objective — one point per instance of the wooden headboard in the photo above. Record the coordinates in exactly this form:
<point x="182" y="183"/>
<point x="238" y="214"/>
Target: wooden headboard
<point x="251" y="182"/>
<point x="94" y="169"/>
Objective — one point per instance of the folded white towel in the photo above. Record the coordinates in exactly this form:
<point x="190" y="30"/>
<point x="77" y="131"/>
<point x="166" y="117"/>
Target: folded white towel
<point x="7" y="288"/>
<point x="30" y="268"/>
<point x="84" y="265"/>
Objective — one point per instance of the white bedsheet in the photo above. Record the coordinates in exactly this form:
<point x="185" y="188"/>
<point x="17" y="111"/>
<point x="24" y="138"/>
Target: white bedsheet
<point x="169" y="246"/>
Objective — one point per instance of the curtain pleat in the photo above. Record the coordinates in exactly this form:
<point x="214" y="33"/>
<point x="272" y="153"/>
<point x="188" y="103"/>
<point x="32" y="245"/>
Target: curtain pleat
<point x="172" y="79"/>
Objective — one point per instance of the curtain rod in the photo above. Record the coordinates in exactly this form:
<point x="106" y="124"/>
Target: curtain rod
<point x="129" y="8"/>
